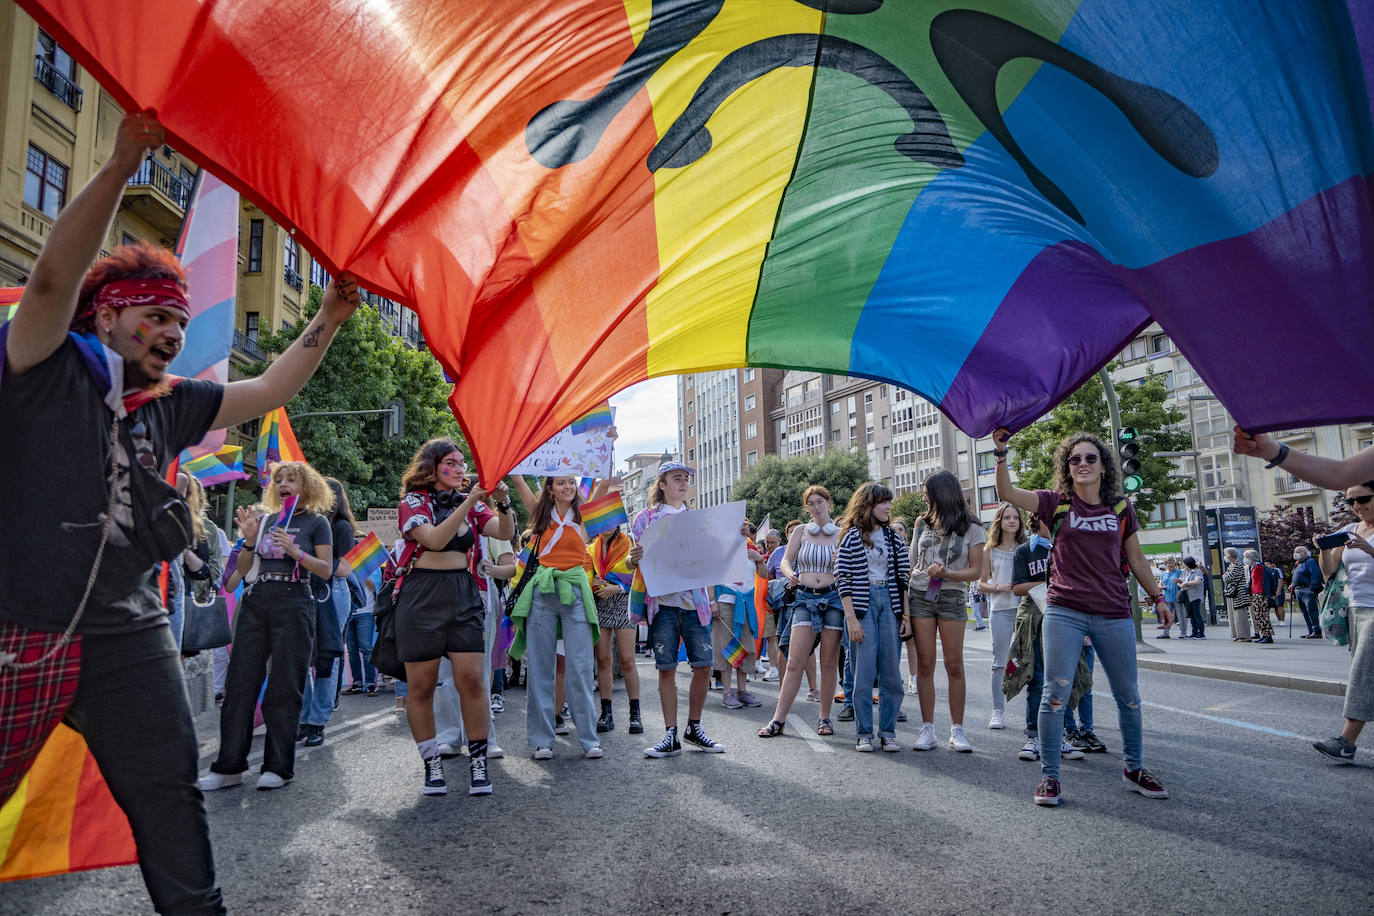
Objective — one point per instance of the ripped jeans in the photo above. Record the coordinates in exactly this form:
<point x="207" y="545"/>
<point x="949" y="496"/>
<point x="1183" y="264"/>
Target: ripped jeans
<point x="1114" y="642"/>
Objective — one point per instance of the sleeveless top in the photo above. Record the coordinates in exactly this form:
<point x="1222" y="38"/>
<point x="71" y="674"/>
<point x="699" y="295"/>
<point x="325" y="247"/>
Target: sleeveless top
<point x="1003" y="562"/>
<point x="815" y="558"/>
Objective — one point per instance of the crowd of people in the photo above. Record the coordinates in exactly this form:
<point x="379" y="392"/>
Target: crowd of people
<point x="87" y="396"/>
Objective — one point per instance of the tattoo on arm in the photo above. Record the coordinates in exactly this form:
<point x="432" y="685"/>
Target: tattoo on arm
<point x="312" y="336"/>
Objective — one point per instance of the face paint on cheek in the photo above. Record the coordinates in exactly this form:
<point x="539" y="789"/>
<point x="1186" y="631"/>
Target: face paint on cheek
<point x="140" y="335"/>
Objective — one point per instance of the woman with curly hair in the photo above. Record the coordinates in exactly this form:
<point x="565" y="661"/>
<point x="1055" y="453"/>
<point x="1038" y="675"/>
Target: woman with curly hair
<point x="439" y="607"/>
<point x="871" y="567"/>
<point x="274" y="622"/>
<point x="1094" y="542"/>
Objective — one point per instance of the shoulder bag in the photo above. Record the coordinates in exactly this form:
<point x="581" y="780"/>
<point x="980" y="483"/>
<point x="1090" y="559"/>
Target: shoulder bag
<point x="1335" y="613"/>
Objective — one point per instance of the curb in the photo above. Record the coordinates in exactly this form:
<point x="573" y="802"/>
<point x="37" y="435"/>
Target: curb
<point x="1240" y="675"/>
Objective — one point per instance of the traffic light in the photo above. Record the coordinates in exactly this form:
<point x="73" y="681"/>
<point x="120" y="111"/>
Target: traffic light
<point x="1127" y="449"/>
<point x="393" y="421"/>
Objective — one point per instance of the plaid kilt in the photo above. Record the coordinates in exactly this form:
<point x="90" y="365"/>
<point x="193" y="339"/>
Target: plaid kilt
<point x="32" y="700"/>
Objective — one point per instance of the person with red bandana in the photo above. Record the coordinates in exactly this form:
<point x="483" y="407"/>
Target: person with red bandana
<point x="85" y="394"/>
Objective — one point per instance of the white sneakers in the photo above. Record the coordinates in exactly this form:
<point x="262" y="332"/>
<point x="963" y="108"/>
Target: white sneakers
<point x="543" y="753"/>
<point x="911" y="685"/>
<point x="926" y="740"/>
<point x="1068" y="751"/>
<point x="771" y="674"/>
<point x="594" y="753"/>
<point x="210" y="782"/>
<point x="270" y="780"/>
<point x="957" y="741"/>
<point x="996" y="721"/>
<point x="1030" y="750"/>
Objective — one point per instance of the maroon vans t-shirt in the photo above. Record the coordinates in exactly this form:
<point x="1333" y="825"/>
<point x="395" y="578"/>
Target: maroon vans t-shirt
<point x="1085" y="562"/>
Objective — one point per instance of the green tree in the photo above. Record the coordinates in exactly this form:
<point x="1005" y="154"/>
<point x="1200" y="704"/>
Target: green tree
<point x="1283" y="528"/>
<point x="365" y="366"/>
<point x="910" y="505"/>
<point x="1161" y="429"/>
<point x="773" y="487"/>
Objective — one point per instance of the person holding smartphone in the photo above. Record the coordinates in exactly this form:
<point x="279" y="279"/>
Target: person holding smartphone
<point x="1356" y="554"/>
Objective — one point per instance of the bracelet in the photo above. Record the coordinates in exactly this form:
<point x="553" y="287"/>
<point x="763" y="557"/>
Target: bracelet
<point x="503" y="507"/>
<point x="1000" y="452"/>
<point x="1279" y="458"/>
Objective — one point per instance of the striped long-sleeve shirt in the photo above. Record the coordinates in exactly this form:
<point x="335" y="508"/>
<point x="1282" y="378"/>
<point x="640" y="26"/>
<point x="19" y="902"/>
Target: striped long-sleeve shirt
<point x="851" y="567"/>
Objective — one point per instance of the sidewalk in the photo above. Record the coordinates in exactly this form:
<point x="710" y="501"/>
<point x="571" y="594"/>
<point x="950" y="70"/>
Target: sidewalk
<point x="1313" y="665"/>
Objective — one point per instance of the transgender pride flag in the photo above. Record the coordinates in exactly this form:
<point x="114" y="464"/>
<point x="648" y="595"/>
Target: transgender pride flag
<point x="208" y="249"/>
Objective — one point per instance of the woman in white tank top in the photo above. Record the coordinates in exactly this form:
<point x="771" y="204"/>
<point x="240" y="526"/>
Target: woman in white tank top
<point x="1005" y="534"/>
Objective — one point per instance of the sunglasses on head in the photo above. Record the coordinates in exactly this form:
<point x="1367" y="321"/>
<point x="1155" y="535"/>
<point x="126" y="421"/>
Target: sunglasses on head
<point x="1076" y="460"/>
<point x="1361" y="500"/>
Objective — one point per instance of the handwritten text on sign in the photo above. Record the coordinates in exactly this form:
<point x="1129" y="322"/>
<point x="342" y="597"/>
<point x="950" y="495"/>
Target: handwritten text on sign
<point x="570" y="454"/>
<point x="693" y="549"/>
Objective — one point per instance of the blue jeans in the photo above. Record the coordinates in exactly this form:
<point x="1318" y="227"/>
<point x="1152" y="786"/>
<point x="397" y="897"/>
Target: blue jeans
<point x="1085" y="703"/>
<point x="879" y="654"/>
<point x="847" y="675"/>
<point x="1195" y="614"/>
<point x="1311" y="615"/>
<point x="541" y="657"/>
<point x="317" y="705"/>
<point x="176" y="599"/>
<point x="360" y="633"/>
<point x="1114" y="641"/>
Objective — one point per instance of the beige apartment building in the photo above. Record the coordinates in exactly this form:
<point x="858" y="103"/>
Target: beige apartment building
<point x="57" y="127"/>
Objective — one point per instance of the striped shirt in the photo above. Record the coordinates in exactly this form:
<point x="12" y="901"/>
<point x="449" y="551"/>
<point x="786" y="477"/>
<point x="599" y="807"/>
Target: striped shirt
<point x="851" y="568"/>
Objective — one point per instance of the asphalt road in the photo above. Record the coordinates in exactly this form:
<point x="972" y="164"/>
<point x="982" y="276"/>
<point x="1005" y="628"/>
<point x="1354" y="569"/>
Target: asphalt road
<point x="1257" y="821"/>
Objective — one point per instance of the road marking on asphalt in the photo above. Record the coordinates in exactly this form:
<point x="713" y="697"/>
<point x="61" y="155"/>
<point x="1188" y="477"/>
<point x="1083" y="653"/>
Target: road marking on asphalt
<point x="347" y="730"/>
<point x="1276" y="732"/>
<point x="805" y="733"/>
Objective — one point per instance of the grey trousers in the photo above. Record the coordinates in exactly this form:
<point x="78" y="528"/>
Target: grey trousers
<point x="1359" y="692"/>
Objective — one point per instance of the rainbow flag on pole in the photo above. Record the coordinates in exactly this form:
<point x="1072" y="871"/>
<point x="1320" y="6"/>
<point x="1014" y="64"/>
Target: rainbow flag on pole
<point x="604" y="514"/>
<point x="276" y="443"/>
<point x="734" y="652"/>
<point x="367" y="556"/>
<point x="62" y="818"/>
<point x="212" y="468"/>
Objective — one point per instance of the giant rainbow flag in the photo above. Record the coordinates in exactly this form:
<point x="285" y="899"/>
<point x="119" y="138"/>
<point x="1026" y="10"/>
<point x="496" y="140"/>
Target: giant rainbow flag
<point x="62" y="817"/>
<point x="981" y="200"/>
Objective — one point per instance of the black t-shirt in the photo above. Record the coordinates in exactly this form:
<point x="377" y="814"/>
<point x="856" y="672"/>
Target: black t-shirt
<point x="1030" y="565"/>
<point x="344" y="539"/>
<point x="307" y="531"/>
<point x="56" y="431"/>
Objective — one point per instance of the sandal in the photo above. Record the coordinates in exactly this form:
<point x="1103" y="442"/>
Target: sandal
<point x="824" y="727"/>
<point x="771" y="730"/>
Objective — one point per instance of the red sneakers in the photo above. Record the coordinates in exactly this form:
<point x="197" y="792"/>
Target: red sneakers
<point x="1047" y="793"/>
<point x="1144" y="782"/>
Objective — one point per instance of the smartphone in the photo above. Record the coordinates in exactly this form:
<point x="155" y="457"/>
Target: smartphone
<point x="1338" y="539"/>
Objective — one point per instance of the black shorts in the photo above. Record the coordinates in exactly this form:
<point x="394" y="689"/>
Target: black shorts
<point x="439" y="611"/>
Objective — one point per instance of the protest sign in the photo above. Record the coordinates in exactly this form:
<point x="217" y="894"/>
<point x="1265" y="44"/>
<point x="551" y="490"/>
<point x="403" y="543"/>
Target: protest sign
<point x="695" y="549"/>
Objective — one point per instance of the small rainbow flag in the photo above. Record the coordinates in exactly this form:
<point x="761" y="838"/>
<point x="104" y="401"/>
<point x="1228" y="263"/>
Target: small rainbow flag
<point x="62" y="818"/>
<point x="594" y="419"/>
<point x="212" y="468"/>
<point x="584" y="487"/>
<point x="604" y="514"/>
<point x="734" y="652"/>
<point x="9" y="302"/>
<point x="367" y="556"/>
<point x="276" y="442"/>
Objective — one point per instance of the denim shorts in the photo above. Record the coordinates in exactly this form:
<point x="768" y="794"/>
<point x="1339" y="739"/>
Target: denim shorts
<point x="819" y="612"/>
<point x="673" y="625"/>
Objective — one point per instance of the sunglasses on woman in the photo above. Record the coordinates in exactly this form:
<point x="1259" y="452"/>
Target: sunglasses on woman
<point x="1361" y="500"/>
<point x="1076" y="460"/>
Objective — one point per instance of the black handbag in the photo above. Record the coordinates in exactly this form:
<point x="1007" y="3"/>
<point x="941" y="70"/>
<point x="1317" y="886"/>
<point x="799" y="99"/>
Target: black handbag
<point x="514" y="597"/>
<point x="205" y="626"/>
<point x="386" y="657"/>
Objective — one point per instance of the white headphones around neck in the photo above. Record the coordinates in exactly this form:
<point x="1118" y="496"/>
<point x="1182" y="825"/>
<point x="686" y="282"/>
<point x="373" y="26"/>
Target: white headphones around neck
<point x="827" y="529"/>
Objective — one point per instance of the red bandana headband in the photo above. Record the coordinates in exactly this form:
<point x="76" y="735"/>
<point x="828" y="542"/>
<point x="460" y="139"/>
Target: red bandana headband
<point x="122" y="294"/>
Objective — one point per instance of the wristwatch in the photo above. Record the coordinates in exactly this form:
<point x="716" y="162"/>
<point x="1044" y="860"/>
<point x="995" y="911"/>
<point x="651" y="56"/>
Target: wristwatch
<point x="1278" y="459"/>
<point x="503" y="507"/>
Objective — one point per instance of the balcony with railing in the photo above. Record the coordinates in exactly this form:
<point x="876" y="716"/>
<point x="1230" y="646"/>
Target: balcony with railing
<point x="293" y="279"/>
<point x="57" y="82"/>
<point x="247" y="346"/>
<point x="1292" y="435"/>
<point x="158" y="196"/>
<point x="1288" y="485"/>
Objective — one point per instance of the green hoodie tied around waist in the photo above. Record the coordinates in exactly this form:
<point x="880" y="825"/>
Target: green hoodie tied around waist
<point x="546" y="579"/>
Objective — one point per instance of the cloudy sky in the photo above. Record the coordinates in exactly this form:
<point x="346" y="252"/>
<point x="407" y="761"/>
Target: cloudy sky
<point x="646" y="418"/>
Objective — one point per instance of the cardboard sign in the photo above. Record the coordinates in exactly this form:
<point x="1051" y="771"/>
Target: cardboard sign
<point x="694" y="549"/>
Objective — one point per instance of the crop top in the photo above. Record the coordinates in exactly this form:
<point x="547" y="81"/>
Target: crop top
<point x="420" y="508"/>
<point x="815" y="558"/>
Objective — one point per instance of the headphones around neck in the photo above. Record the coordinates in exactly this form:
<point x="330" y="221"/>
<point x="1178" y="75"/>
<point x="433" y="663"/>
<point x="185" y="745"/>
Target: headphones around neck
<point x="827" y="529"/>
